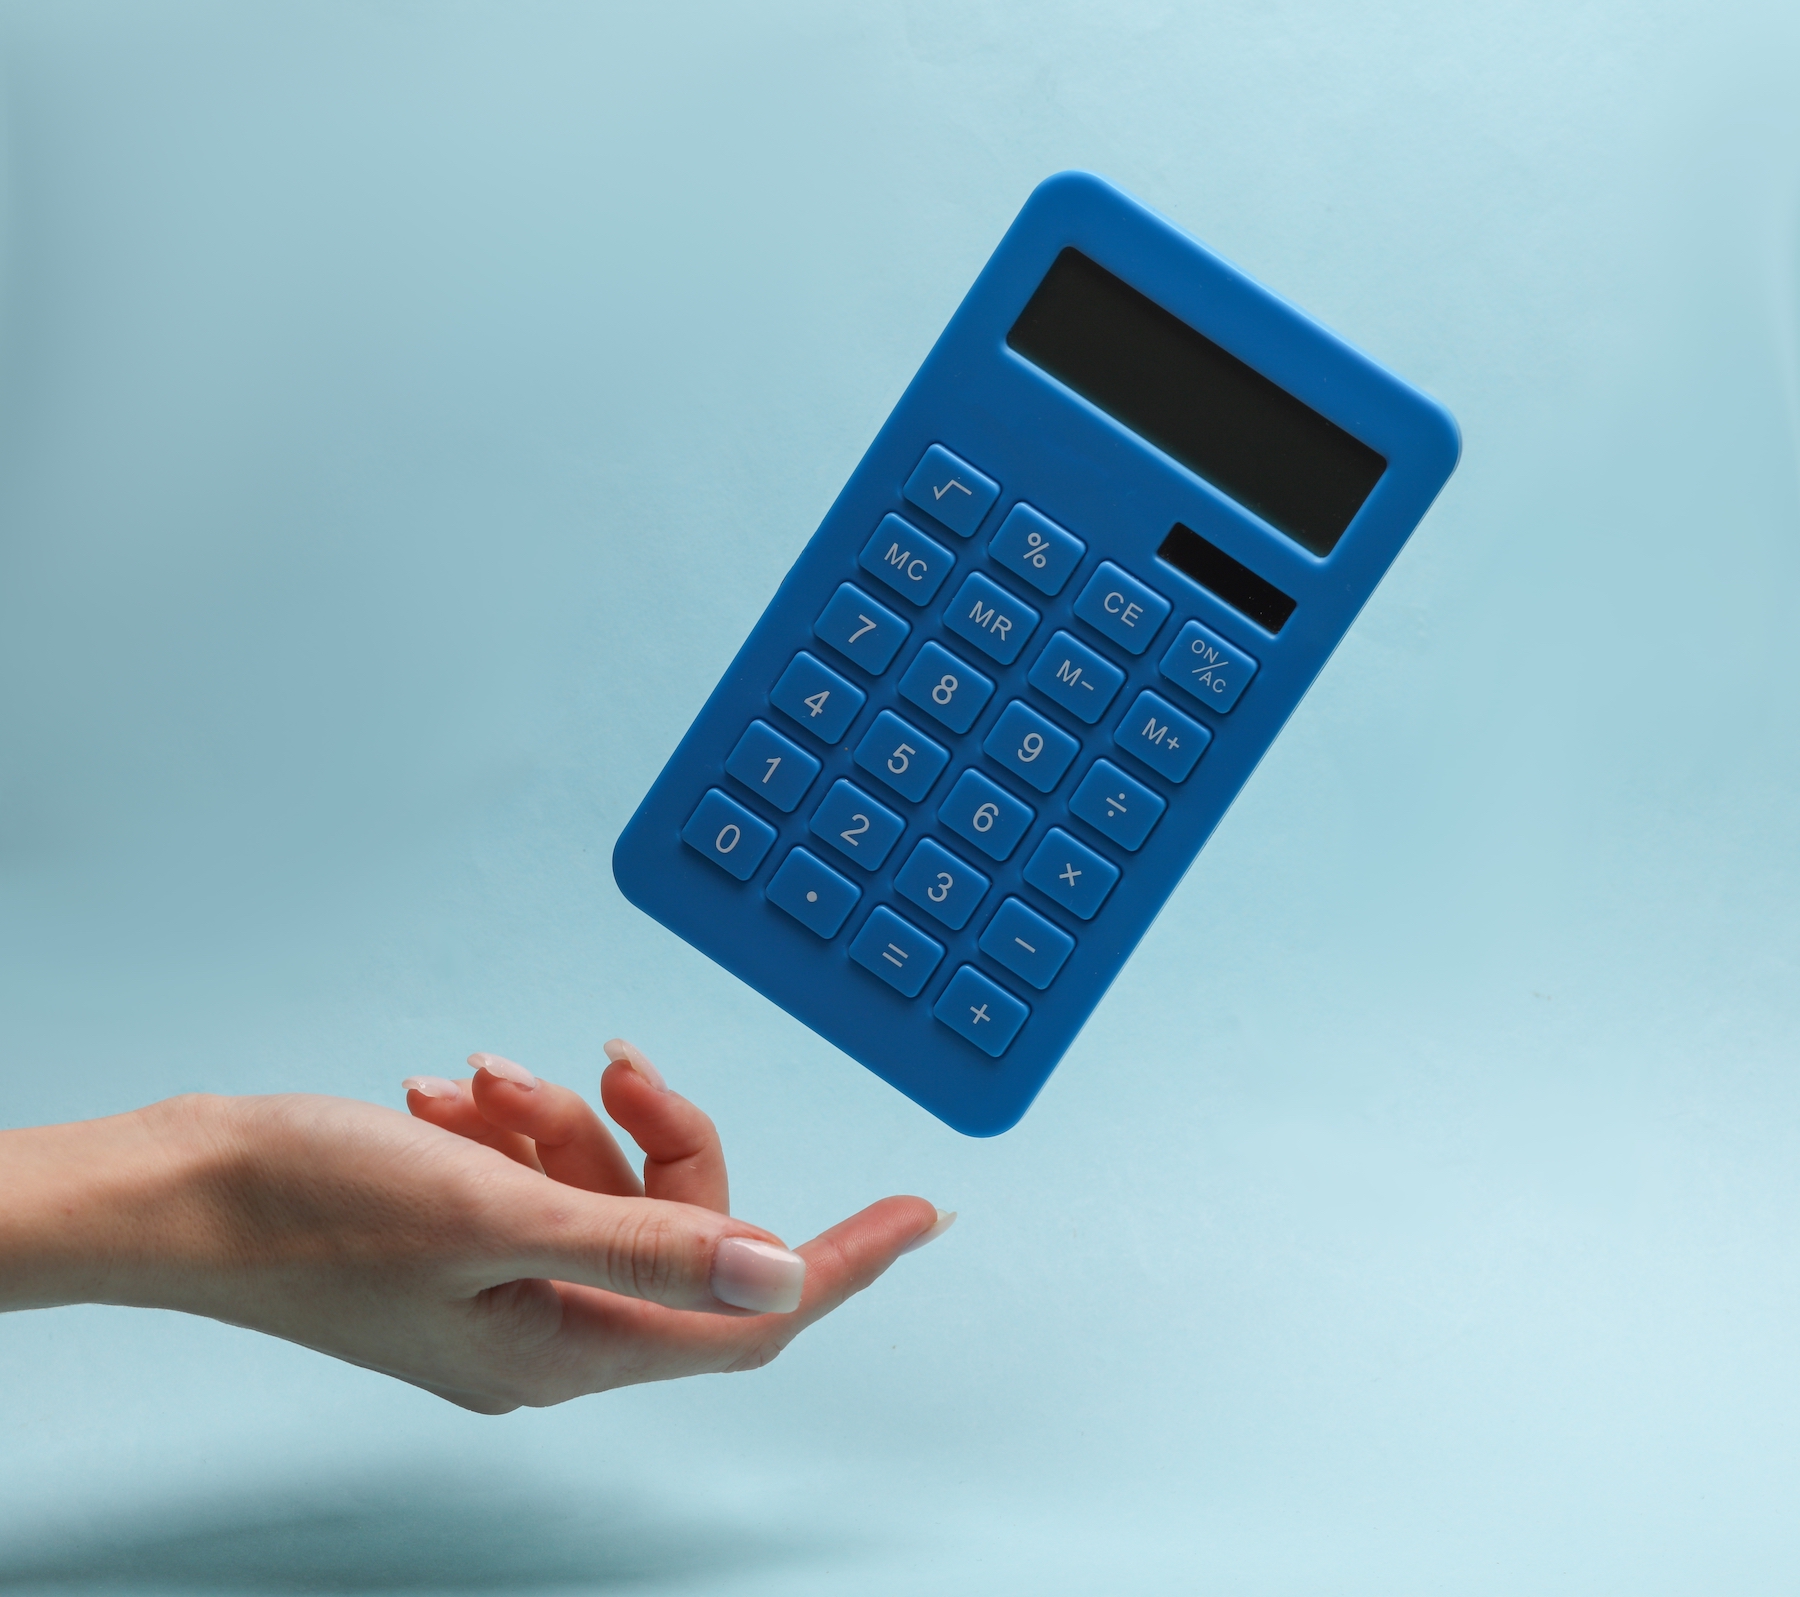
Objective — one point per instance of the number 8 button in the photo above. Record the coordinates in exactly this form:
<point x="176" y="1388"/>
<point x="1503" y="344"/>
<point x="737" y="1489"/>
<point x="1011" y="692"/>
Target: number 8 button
<point x="945" y="688"/>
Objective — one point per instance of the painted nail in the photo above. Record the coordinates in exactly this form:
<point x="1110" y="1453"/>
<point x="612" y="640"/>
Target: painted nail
<point x="945" y="1219"/>
<point x="758" y="1276"/>
<point x="504" y="1070"/>
<point x="619" y="1049"/>
<point x="432" y="1087"/>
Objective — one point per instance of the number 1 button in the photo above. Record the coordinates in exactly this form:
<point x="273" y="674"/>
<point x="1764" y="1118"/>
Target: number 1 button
<point x="766" y="763"/>
<point x="856" y="826"/>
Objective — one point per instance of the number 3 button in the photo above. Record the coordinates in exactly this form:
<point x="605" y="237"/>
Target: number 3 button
<point x="941" y="885"/>
<point x="856" y="826"/>
<point x="943" y="687"/>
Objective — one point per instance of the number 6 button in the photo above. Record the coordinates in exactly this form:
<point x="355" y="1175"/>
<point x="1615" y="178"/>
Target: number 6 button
<point x="907" y="760"/>
<point x="943" y="687"/>
<point x="986" y="815"/>
<point x="856" y="826"/>
<point x="941" y="885"/>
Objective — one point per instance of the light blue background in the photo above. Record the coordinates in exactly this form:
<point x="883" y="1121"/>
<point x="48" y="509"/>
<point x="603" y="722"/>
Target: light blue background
<point x="406" y="410"/>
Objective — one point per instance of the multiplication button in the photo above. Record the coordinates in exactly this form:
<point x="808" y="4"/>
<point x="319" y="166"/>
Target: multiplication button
<point x="1116" y="806"/>
<point x="948" y="489"/>
<point x="901" y="756"/>
<point x="1078" y="679"/>
<point x="906" y="560"/>
<point x="1208" y="667"/>
<point x="766" y="763"/>
<point x="813" y="893"/>
<point x="867" y="633"/>
<point x="1157" y="733"/>
<point x="1026" y="944"/>
<point x="1031" y="545"/>
<point x="817" y="697"/>
<point x="896" y="951"/>
<point x="1070" y="874"/>
<point x="728" y="835"/>
<point x="982" y="1011"/>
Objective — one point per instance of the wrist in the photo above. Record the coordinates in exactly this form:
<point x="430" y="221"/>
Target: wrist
<point x="112" y="1210"/>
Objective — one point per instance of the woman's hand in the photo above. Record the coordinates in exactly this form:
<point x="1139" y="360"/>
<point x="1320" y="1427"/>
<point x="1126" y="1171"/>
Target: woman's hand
<point x="497" y="1249"/>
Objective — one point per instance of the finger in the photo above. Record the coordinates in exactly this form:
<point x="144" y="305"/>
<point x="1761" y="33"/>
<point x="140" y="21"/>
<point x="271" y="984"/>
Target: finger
<point x="451" y="1105"/>
<point x="610" y="1341"/>
<point x="683" y="1161"/>
<point x="573" y="1147"/>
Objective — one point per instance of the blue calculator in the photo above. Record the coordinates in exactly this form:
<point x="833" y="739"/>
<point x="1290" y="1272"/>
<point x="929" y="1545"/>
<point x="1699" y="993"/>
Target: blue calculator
<point x="1103" y="544"/>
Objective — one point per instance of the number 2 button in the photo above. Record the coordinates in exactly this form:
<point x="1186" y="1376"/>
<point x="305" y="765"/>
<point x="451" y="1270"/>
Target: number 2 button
<point x="856" y="826"/>
<point x="945" y="688"/>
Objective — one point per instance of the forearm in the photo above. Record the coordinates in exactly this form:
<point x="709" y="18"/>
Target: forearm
<point x="108" y="1211"/>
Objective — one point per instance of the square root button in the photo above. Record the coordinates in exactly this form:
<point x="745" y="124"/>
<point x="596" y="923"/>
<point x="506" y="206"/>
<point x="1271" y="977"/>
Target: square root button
<point x="896" y="951"/>
<point x="982" y="1011"/>
<point x="1205" y="665"/>
<point x="948" y="489"/>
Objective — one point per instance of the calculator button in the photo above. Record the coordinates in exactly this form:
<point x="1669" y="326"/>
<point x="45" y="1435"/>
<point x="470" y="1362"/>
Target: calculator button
<point x="896" y="951"/>
<point x="861" y="630"/>
<point x="1082" y="682"/>
<point x="1116" y="806"/>
<point x="1211" y="669"/>
<point x="1157" y="733"/>
<point x="728" y="835"/>
<point x="1030" y="747"/>
<point x="813" y="893"/>
<point x="1117" y="606"/>
<point x="856" y="826"/>
<point x="980" y="1010"/>
<point x="941" y="884"/>
<point x="766" y="763"/>
<point x="904" y="758"/>
<point x="990" y="618"/>
<point x="1075" y="876"/>
<point x="985" y="814"/>
<point x="950" y="490"/>
<point x="1026" y="944"/>
<point x="906" y="560"/>
<point x="945" y="688"/>
<point x="817" y="697"/>
<point x="1041" y="552"/>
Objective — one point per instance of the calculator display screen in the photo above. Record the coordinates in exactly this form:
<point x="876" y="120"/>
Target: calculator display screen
<point x="1180" y="391"/>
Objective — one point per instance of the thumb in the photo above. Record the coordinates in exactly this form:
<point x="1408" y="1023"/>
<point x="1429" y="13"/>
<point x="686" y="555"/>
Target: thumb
<point x="676" y="1254"/>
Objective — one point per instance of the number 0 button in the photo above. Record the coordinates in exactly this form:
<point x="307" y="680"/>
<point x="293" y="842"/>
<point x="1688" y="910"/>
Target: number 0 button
<point x="941" y="885"/>
<point x="943" y="687"/>
<point x="817" y="697"/>
<point x="856" y="826"/>
<point x="728" y="835"/>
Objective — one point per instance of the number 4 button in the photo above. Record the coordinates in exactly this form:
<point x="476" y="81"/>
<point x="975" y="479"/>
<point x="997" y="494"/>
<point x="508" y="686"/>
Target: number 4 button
<point x="817" y="697"/>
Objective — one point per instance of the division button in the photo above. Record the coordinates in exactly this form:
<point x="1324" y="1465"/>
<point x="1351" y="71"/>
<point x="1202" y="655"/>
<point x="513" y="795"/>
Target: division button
<point x="1026" y="944"/>
<point x="813" y="893"/>
<point x="1117" y="606"/>
<point x="940" y="884"/>
<point x="982" y="1011"/>
<point x="906" y="560"/>
<point x="1116" y="806"/>
<point x="901" y="756"/>
<point x="1208" y="667"/>
<point x="989" y="617"/>
<point x="896" y="951"/>
<point x="817" y="697"/>
<point x="948" y="489"/>
<point x="1082" y="682"/>
<point x="945" y="687"/>
<point x="985" y="814"/>
<point x="1032" y="545"/>
<point x="728" y="835"/>
<point x="1071" y="874"/>
<point x="766" y="763"/>
<point x="856" y="826"/>
<point x="861" y="630"/>
<point x="1157" y="733"/>
<point x="1033" y="749"/>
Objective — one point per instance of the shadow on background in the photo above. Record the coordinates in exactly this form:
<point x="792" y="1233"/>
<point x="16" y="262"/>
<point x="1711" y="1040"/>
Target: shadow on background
<point x="411" y="1531"/>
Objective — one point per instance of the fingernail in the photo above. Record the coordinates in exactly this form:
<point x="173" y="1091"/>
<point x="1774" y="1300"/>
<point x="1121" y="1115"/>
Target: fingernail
<point x="504" y="1069"/>
<point x="758" y="1276"/>
<point x="432" y="1087"/>
<point x="619" y="1049"/>
<point x="945" y="1219"/>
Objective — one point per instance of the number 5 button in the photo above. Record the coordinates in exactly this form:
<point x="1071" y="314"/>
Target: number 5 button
<point x="905" y="759"/>
<point x="941" y="885"/>
<point x="856" y="826"/>
<point x="1074" y="876"/>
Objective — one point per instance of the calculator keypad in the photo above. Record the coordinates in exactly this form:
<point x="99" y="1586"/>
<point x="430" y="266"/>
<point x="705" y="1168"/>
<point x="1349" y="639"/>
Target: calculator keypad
<point x="1051" y="871"/>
